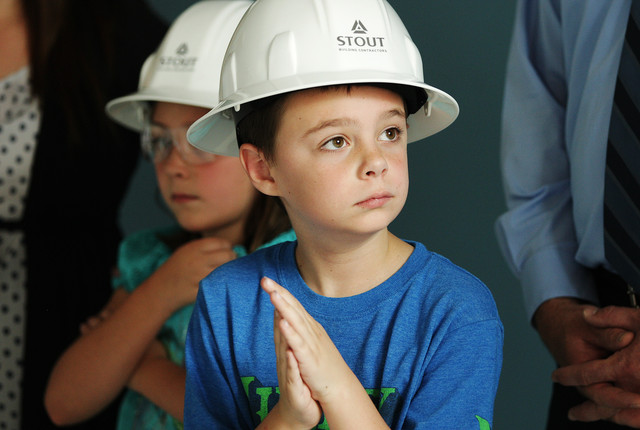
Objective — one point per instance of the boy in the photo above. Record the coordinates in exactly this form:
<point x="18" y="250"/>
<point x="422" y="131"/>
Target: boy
<point x="369" y="331"/>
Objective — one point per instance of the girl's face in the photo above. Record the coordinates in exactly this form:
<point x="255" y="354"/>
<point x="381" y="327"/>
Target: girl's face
<point x="212" y="196"/>
<point x="340" y="162"/>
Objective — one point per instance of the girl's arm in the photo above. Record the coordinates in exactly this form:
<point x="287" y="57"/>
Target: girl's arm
<point x="99" y="364"/>
<point x="160" y="380"/>
<point x="95" y="368"/>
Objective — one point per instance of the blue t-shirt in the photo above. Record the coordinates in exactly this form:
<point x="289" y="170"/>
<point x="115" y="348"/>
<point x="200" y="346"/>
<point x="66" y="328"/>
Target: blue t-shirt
<point x="139" y="256"/>
<point x="426" y="343"/>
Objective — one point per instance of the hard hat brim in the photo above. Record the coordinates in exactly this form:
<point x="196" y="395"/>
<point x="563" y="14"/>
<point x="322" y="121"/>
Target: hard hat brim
<point x="439" y="111"/>
<point x="129" y="110"/>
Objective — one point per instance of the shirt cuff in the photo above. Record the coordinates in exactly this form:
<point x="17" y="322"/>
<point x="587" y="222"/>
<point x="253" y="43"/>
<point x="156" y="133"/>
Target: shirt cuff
<point x="553" y="272"/>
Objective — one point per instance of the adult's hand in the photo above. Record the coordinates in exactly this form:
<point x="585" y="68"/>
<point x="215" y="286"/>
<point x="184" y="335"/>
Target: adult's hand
<point x="612" y="383"/>
<point x="570" y="338"/>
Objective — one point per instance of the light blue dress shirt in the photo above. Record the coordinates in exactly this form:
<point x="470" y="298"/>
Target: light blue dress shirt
<point x="561" y="75"/>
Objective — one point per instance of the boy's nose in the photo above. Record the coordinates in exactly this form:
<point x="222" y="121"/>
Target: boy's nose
<point x="374" y="162"/>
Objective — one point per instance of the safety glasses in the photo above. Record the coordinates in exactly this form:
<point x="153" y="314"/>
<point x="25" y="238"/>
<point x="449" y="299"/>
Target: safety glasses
<point x="158" y="141"/>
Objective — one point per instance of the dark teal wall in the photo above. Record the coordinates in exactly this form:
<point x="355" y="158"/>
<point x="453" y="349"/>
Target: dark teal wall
<point x="455" y="193"/>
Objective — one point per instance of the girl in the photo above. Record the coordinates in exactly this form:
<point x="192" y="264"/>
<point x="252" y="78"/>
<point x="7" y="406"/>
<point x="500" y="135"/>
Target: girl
<point x="138" y="340"/>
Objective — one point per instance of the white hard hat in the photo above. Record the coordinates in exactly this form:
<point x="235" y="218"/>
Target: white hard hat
<point x="186" y="67"/>
<point x="282" y="46"/>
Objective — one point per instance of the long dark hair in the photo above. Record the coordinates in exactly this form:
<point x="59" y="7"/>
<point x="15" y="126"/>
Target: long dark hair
<point x="66" y="39"/>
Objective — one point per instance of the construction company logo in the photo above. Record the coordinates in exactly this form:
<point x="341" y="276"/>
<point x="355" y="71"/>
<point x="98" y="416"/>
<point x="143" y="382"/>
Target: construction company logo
<point x="263" y="398"/>
<point x="179" y="62"/>
<point x="360" y="41"/>
<point x="358" y="27"/>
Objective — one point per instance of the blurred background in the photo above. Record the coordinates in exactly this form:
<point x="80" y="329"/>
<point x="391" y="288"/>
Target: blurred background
<point x="455" y="193"/>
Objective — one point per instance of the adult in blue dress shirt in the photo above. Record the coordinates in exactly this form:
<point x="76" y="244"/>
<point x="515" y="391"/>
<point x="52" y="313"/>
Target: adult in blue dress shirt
<point x="561" y="76"/>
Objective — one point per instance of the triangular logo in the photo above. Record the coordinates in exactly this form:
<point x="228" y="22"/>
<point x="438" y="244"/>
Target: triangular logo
<point x="358" y="27"/>
<point x="182" y="49"/>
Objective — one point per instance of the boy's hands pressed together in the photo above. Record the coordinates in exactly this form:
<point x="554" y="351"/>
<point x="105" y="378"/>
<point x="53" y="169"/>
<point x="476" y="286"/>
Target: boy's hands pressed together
<point x="296" y="403"/>
<point x="312" y="375"/>
<point x="320" y="364"/>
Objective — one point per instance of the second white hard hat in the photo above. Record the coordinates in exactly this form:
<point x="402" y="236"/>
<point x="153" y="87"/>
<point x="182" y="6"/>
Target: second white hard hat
<point x="186" y="67"/>
<point x="282" y="46"/>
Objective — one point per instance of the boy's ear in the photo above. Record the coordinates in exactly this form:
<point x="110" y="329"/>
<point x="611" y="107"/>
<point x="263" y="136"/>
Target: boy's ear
<point x="257" y="169"/>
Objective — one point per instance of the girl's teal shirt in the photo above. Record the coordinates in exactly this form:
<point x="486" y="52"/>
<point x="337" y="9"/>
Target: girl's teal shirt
<point x="139" y="256"/>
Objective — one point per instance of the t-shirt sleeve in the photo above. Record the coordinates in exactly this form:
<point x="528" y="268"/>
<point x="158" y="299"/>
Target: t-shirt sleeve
<point x="211" y="392"/>
<point x="461" y="380"/>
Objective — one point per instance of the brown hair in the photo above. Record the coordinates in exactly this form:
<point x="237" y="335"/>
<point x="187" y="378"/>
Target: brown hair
<point x="268" y="217"/>
<point x="260" y="126"/>
<point x="266" y="220"/>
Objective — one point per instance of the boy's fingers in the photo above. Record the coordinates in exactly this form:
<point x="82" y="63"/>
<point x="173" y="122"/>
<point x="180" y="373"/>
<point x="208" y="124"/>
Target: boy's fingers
<point x="293" y="372"/>
<point x="294" y="319"/>
<point x="296" y="326"/>
<point x="270" y="286"/>
<point x="276" y="330"/>
<point x="288" y="306"/>
<point x="295" y="341"/>
<point x="281" y="349"/>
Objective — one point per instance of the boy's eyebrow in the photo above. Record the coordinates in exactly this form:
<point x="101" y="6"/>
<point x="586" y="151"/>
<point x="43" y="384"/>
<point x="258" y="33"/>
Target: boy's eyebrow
<point x="336" y="122"/>
<point x="395" y="112"/>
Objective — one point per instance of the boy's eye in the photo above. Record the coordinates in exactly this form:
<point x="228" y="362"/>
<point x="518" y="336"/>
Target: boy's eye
<point x="334" y="143"/>
<point x="392" y="133"/>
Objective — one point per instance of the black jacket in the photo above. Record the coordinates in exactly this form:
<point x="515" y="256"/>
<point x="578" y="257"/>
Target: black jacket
<point x="71" y="214"/>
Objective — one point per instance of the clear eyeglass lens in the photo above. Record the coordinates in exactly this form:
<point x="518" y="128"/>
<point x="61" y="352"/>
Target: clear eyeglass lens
<point x="157" y="143"/>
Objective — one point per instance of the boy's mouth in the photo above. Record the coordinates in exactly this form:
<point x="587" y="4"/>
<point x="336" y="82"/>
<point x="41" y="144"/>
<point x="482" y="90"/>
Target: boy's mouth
<point x="375" y="201"/>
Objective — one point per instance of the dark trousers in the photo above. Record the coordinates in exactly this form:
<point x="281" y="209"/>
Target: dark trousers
<point x="611" y="291"/>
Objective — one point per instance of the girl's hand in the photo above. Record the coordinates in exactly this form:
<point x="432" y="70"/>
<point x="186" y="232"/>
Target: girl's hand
<point x="180" y="275"/>
<point x="117" y="298"/>
<point x="94" y="321"/>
